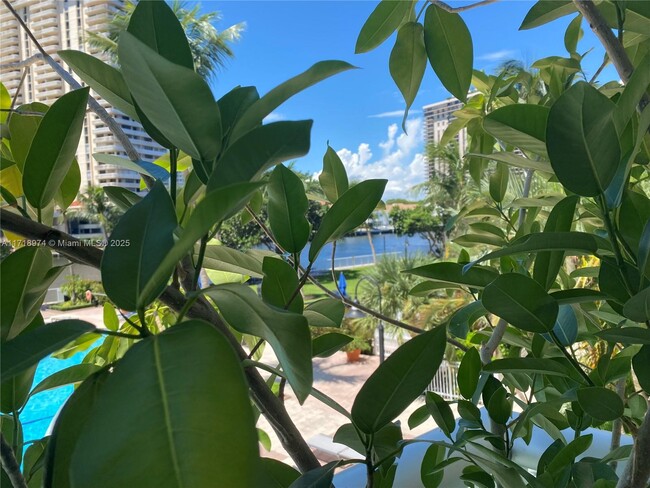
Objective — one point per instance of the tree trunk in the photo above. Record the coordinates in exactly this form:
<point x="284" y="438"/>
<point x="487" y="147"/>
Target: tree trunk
<point x="372" y="245"/>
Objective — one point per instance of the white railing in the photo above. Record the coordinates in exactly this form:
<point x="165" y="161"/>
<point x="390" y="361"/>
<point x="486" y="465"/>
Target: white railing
<point x="444" y="383"/>
<point x="355" y="261"/>
<point x="53" y="295"/>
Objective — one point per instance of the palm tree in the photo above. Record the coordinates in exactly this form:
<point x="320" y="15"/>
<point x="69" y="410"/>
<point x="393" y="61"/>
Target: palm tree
<point x="210" y="47"/>
<point x="96" y="207"/>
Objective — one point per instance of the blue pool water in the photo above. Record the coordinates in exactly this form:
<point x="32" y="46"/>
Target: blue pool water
<point x="42" y="407"/>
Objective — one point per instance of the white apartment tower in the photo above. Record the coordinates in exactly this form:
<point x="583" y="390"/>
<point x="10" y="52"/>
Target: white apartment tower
<point x="437" y="117"/>
<point x="58" y="25"/>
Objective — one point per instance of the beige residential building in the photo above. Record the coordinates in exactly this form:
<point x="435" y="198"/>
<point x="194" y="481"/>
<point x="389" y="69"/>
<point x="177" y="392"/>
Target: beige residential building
<point x="437" y="117"/>
<point x="58" y="25"/>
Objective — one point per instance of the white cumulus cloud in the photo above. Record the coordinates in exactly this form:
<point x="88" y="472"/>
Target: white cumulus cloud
<point x="497" y="55"/>
<point x="392" y="114"/>
<point x="399" y="160"/>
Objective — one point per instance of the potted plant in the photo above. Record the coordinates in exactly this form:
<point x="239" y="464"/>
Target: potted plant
<point x="353" y="349"/>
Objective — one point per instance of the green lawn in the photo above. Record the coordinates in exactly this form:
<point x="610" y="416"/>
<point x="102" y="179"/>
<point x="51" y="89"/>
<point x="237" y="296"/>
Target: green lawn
<point x="352" y="277"/>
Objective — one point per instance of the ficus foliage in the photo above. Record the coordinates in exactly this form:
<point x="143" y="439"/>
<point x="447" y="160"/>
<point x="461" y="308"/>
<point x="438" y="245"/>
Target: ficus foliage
<point x="165" y="400"/>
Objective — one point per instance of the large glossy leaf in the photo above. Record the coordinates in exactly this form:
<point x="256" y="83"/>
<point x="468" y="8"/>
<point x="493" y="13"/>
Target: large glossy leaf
<point x="248" y="157"/>
<point x="601" y="403"/>
<point x="522" y="302"/>
<point x="572" y="243"/>
<point x="640" y="365"/>
<point x="317" y="478"/>
<point x="407" y="62"/>
<point x="22" y="127"/>
<point x="520" y="125"/>
<point x="53" y="148"/>
<point x="454" y="273"/>
<point x="122" y="198"/>
<point x="25" y="276"/>
<point x="137" y="246"/>
<point x="142" y="167"/>
<point x="233" y="105"/>
<point x="69" y="189"/>
<point x="450" y="50"/>
<point x="441" y="412"/>
<point x="512" y="159"/>
<point x="545" y="11"/>
<point x="71" y="375"/>
<point x="281" y="93"/>
<point x="191" y="392"/>
<point x="70" y="423"/>
<point x="286" y="332"/>
<point x="279" y="285"/>
<point x="30" y="347"/>
<point x="155" y="24"/>
<point x="104" y="79"/>
<point x="176" y="100"/>
<point x="499" y="182"/>
<point x="223" y="258"/>
<point x="287" y="209"/>
<point x="581" y="140"/>
<point x="327" y="344"/>
<point x="637" y="308"/>
<point x="633" y="216"/>
<point x="399" y="380"/>
<point x="333" y="179"/>
<point x="277" y="474"/>
<point x="462" y="320"/>
<point x="214" y="208"/>
<point x="548" y="264"/>
<point x="350" y="211"/>
<point x="14" y="391"/>
<point x="527" y="365"/>
<point x="468" y="372"/>
<point x="381" y="23"/>
<point x="327" y="312"/>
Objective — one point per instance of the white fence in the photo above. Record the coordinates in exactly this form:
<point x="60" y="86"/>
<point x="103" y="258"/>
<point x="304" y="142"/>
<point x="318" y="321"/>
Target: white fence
<point x="356" y="261"/>
<point x="444" y="383"/>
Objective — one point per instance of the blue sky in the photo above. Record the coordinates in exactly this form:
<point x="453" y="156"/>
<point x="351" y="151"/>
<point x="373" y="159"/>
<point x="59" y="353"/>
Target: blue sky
<point x="353" y="109"/>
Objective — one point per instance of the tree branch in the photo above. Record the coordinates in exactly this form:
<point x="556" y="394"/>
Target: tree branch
<point x="266" y="401"/>
<point x="612" y="45"/>
<point x="487" y="349"/>
<point x="10" y="464"/>
<point x="454" y="10"/>
<point x="637" y="470"/>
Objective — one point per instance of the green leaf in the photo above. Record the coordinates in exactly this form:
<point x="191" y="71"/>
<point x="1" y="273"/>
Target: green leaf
<point x="625" y="335"/>
<point x="287" y="209"/>
<point x="407" y="62"/>
<point x="566" y="326"/>
<point x="499" y="407"/>
<point x="634" y="90"/>
<point x="441" y="412"/>
<point x="25" y="276"/>
<point x="53" y="148"/>
<point x="286" y="332"/>
<point x="279" y="284"/>
<point x="333" y="179"/>
<point x="515" y="160"/>
<point x="234" y="104"/>
<point x="601" y="403"/>
<point x="527" y="365"/>
<point x="212" y="209"/>
<point x="633" y="215"/>
<point x="347" y="213"/>
<point x="317" y="478"/>
<point x="30" y="347"/>
<point x="573" y="34"/>
<point x="499" y="182"/>
<point x="581" y="140"/>
<point x="22" y="127"/>
<point x="572" y="243"/>
<point x="70" y="423"/>
<point x="454" y="273"/>
<point x="640" y="363"/>
<point x="462" y="320"/>
<point x="327" y="344"/>
<point x="260" y="149"/>
<point x="223" y="258"/>
<point x="383" y="21"/>
<point x="468" y="372"/>
<point x="399" y="380"/>
<point x="637" y="308"/>
<point x="138" y="244"/>
<point x="71" y="375"/>
<point x="545" y="11"/>
<point x="121" y="197"/>
<point x="430" y="476"/>
<point x="171" y="414"/>
<point x="277" y="474"/>
<point x="174" y="98"/>
<point x="69" y="189"/>
<point x="5" y="102"/>
<point x="105" y="80"/>
<point x="281" y="93"/>
<point x="155" y="24"/>
<point x="548" y="264"/>
<point x="143" y="167"/>
<point x="449" y="49"/>
<point x="521" y="125"/>
<point x="327" y="312"/>
<point x="14" y="391"/>
<point x="522" y="302"/>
